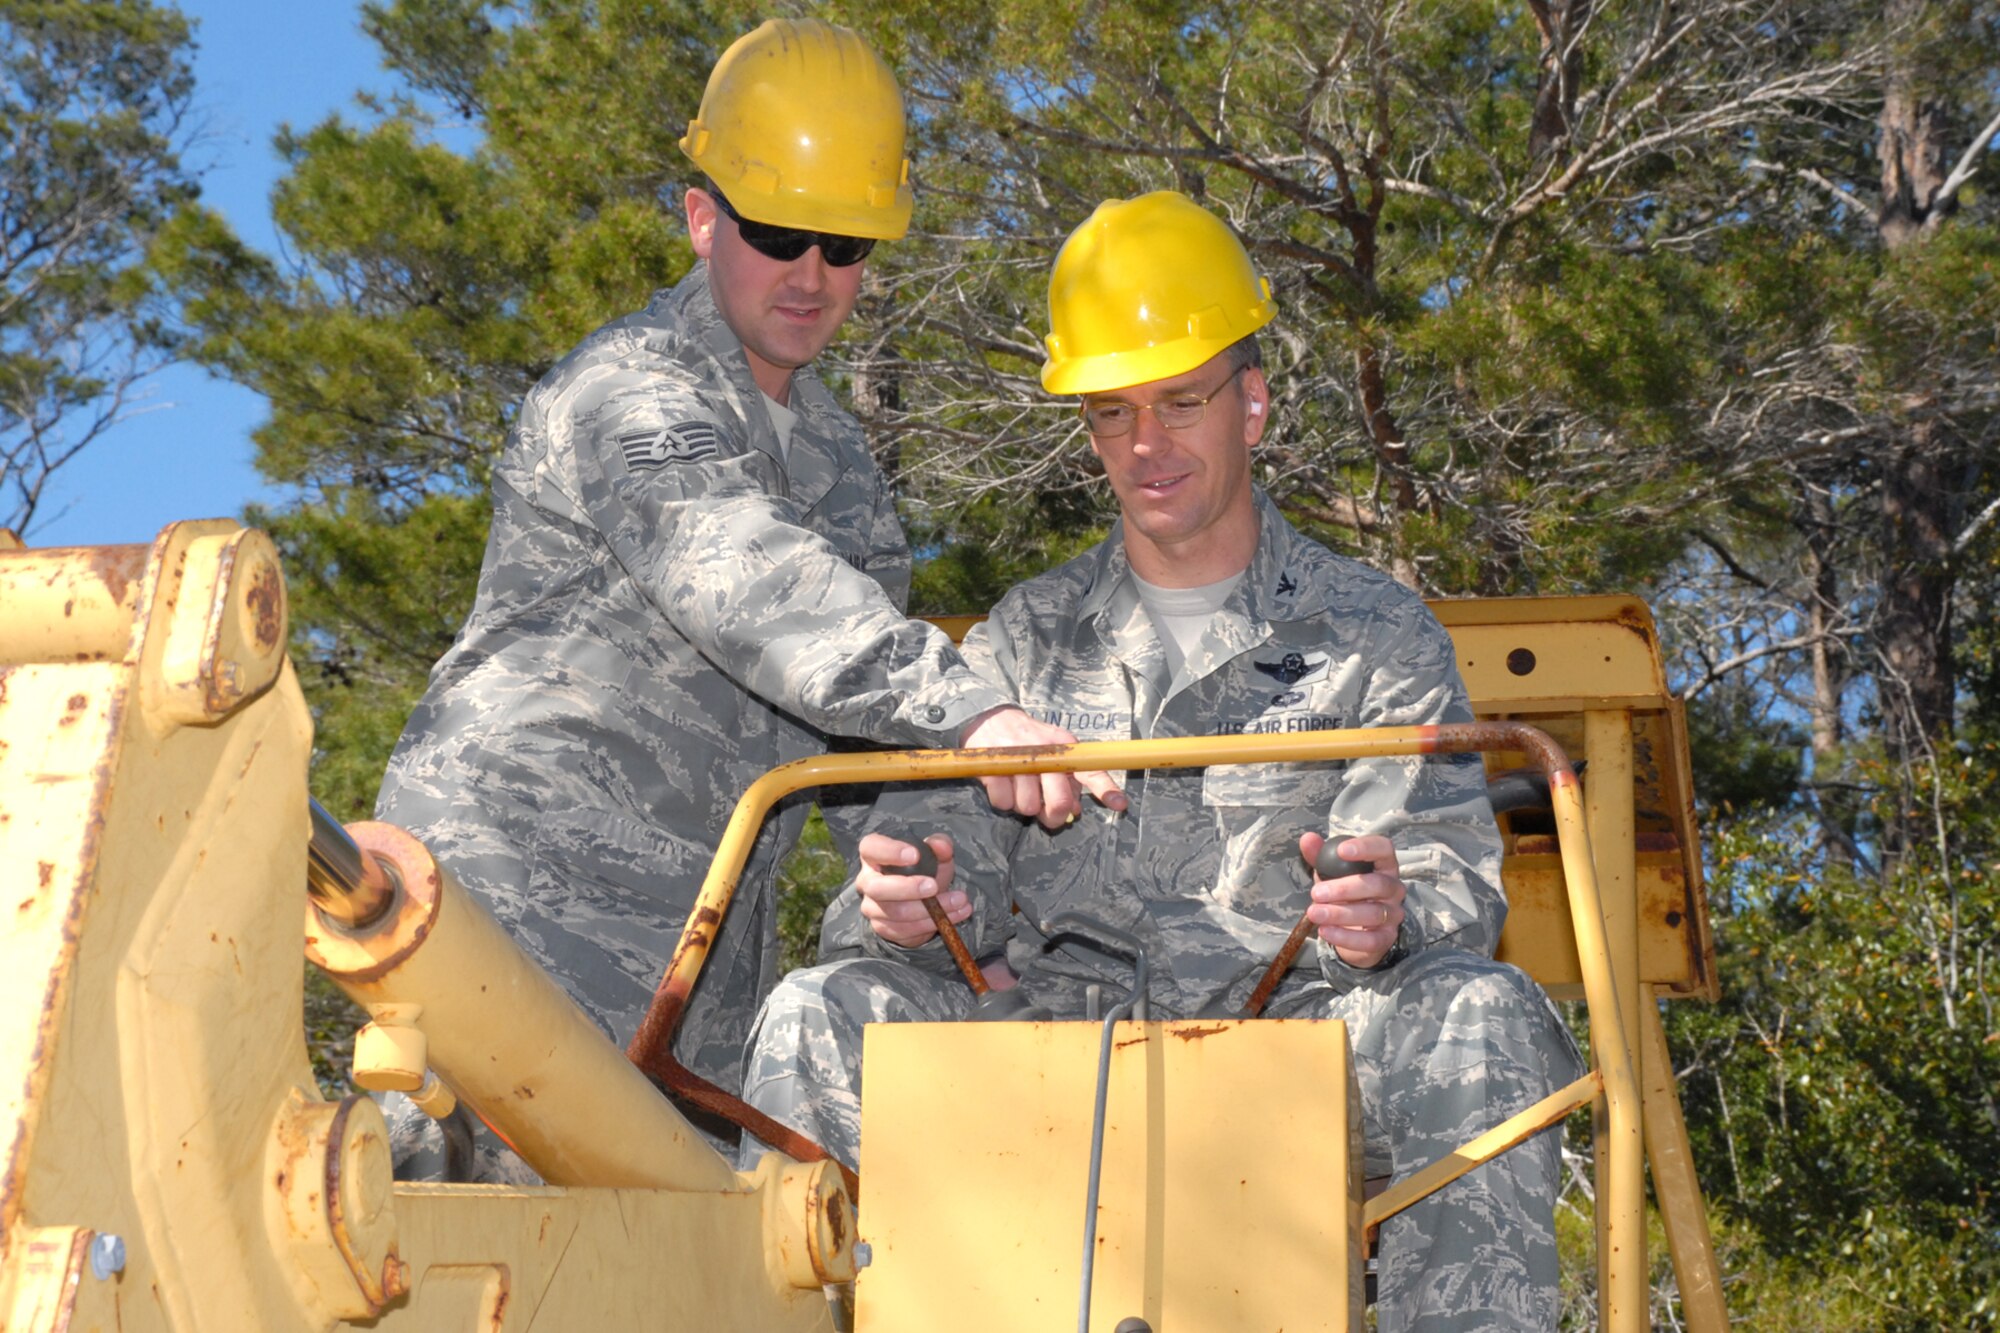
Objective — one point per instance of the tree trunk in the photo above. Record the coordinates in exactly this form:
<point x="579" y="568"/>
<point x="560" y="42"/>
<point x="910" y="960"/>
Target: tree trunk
<point x="1912" y="144"/>
<point x="1914" y="634"/>
<point x="1916" y="672"/>
<point x="1829" y="675"/>
<point x="1392" y="453"/>
<point x="1561" y="72"/>
<point x="1392" y="450"/>
<point x="1828" y="679"/>
<point x="878" y="387"/>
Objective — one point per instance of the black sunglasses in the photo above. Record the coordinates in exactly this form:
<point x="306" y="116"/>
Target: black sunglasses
<point x="785" y="244"/>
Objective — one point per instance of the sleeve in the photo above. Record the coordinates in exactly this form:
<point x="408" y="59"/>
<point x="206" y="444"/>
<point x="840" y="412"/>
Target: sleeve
<point x="888" y="559"/>
<point x="983" y="842"/>
<point x="694" y="515"/>
<point x="1433" y="807"/>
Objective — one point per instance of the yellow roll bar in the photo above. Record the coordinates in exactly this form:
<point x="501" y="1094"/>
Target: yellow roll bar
<point x="1613" y="1084"/>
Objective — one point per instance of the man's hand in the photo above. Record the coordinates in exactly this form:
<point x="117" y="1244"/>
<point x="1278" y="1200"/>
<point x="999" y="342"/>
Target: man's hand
<point x="1358" y="915"/>
<point x="1053" y="798"/>
<point x="893" y="905"/>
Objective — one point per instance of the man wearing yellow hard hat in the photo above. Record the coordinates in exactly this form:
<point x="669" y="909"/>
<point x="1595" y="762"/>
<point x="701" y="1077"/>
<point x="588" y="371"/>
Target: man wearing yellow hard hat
<point x="1206" y="612"/>
<point x="695" y="573"/>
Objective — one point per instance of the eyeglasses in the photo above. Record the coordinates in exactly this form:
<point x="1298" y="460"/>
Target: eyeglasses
<point x="785" y="244"/>
<point x="1109" y="418"/>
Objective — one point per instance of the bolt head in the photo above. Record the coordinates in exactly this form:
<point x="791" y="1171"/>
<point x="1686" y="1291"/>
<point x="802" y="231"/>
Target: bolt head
<point x="864" y="1254"/>
<point x="107" y="1255"/>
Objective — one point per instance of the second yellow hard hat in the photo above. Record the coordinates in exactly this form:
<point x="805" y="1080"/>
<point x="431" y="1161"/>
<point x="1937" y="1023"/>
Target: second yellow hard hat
<point x="802" y="126"/>
<point x="1147" y="289"/>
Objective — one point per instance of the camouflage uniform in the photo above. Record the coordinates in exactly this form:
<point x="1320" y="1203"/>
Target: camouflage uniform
<point x="1205" y="871"/>
<point x="668" y="608"/>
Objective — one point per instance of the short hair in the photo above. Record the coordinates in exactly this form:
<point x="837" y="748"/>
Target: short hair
<point x="1246" y="353"/>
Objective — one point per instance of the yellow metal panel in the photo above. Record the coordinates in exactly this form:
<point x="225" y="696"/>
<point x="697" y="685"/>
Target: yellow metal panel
<point x="69" y="605"/>
<point x="1599" y="663"/>
<point x="41" y="1277"/>
<point x="1675" y="946"/>
<point x="1659" y="814"/>
<point x="1215" y="1213"/>
<point x="1512" y="651"/>
<point x="1614" y="607"/>
<point x="1701" y="941"/>
<point x="489" y="1259"/>
<point x="1540" y="941"/>
<point x="55" y="725"/>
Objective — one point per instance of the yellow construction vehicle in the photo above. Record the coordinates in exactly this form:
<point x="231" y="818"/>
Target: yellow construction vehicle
<point x="172" y="1165"/>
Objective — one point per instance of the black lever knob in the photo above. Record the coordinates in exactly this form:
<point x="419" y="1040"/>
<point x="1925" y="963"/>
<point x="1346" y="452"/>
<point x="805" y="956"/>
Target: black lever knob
<point x="927" y="862"/>
<point x="1330" y="866"/>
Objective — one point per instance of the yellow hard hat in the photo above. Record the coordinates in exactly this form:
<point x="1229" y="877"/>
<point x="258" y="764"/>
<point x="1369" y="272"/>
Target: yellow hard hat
<point x="1147" y="289"/>
<point x="802" y="126"/>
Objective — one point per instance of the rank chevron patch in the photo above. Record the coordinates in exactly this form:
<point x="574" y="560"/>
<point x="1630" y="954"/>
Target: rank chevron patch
<point x="682" y="442"/>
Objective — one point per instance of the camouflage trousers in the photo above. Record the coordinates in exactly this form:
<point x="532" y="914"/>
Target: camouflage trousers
<point x="1445" y="1045"/>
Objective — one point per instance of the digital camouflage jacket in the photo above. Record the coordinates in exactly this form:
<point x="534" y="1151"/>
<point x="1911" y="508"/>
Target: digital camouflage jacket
<point x="667" y="609"/>
<point x="1204" y="868"/>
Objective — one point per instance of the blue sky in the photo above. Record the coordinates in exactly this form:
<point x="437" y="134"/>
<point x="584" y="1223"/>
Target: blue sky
<point x="187" y="453"/>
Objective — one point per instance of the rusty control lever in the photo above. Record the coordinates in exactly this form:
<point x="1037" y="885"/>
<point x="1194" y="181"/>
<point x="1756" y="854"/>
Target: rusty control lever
<point x="1516" y="789"/>
<point x="1327" y="865"/>
<point x="927" y="864"/>
<point x="993" y="1005"/>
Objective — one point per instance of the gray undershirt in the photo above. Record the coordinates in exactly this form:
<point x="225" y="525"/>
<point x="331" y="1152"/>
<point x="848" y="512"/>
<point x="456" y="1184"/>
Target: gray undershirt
<point x="782" y="421"/>
<point x="1180" y="616"/>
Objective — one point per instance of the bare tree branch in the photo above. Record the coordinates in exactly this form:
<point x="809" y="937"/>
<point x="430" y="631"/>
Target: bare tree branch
<point x="1807" y="174"/>
<point x="1968" y="162"/>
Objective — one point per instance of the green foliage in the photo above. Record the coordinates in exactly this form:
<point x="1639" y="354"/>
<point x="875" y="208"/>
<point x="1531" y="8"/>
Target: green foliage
<point x="93" y="118"/>
<point x="331" y="1022"/>
<point x="1979" y="646"/>
<point x="1742" y="763"/>
<point x="1576" y="1249"/>
<point x="807" y="882"/>
<point x="1844" y="1097"/>
<point x="374" y="604"/>
<point x="1541" y="365"/>
<point x="442" y="47"/>
<point x="1931" y="306"/>
<point x="965" y="569"/>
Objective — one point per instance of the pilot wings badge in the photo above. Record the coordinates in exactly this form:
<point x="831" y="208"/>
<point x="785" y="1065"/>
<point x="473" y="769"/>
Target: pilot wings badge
<point x="1295" y="668"/>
